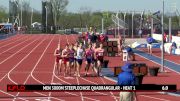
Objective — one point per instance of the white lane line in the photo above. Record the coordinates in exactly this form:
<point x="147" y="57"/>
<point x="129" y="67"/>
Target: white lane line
<point x="9" y="39"/>
<point x="64" y="82"/>
<point x="154" y="98"/>
<point x="82" y="99"/>
<point x="91" y="99"/>
<point x="16" y="52"/>
<point x="12" y="95"/>
<point x="15" y="46"/>
<point x="31" y="71"/>
<point x="2" y="41"/>
<point x="18" y="63"/>
<point x="94" y="84"/>
<point x="52" y="80"/>
<point x="89" y="81"/>
<point x="31" y="75"/>
<point x="17" y="39"/>
<point x="39" y="62"/>
<point x="23" y="60"/>
<point x="110" y="92"/>
<point x="101" y="93"/>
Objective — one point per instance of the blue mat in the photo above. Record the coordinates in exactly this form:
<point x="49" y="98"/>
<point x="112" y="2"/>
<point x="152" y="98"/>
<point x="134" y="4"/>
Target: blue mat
<point x="154" y="45"/>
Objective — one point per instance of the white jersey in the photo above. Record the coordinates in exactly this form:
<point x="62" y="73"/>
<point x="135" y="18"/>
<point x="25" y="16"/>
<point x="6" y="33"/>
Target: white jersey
<point x="79" y="53"/>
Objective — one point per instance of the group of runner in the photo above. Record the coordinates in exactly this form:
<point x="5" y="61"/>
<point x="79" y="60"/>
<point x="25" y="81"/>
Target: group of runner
<point x="70" y="58"/>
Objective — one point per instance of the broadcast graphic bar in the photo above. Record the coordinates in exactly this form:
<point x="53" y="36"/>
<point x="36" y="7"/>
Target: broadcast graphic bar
<point x="74" y="88"/>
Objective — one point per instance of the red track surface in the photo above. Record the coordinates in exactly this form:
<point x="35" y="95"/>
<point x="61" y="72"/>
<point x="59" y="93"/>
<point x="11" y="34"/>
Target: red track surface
<point x="28" y="59"/>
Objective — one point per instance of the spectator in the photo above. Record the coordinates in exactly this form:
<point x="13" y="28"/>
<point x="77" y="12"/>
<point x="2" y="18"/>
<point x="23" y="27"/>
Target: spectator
<point x="130" y="52"/>
<point x="173" y="48"/>
<point x="140" y="33"/>
<point x="149" y="40"/>
<point x="126" y="78"/>
<point x="94" y="38"/>
<point x="165" y="37"/>
<point x="102" y="38"/>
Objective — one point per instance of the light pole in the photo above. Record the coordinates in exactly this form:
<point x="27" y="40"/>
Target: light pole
<point x="17" y="12"/>
<point x="46" y="18"/>
<point x="102" y="25"/>
<point x="124" y="25"/>
<point x="31" y="19"/>
<point x="162" y="52"/>
<point x="132" y="24"/>
<point x="21" y="12"/>
<point x="118" y="23"/>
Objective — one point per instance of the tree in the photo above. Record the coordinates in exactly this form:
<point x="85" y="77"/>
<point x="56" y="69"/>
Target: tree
<point x="26" y="13"/>
<point x="3" y="14"/>
<point x="58" y="7"/>
<point x="14" y="11"/>
<point x="85" y="16"/>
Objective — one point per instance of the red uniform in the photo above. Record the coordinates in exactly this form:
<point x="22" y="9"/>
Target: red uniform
<point x="100" y="55"/>
<point x="65" y="59"/>
<point x="58" y="57"/>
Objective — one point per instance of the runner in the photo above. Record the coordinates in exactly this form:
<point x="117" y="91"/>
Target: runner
<point x="71" y="57"/>
<point x="65" y="55"/>
<point x="94" y="59"/>
<point x="89" y="56"/>
<point x="75" y="47"/>
<point x="58" y="58"/>
<point x="100" y="58"/>
<point x="79" y="59"/>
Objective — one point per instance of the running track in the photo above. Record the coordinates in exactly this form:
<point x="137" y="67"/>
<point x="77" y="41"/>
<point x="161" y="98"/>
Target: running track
<point x="28" y="59"/>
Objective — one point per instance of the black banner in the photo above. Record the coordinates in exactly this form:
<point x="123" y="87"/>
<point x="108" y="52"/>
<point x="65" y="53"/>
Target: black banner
<point x="59" y="88"/>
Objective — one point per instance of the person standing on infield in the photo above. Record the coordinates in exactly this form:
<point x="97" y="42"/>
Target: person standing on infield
<point x="127" y="78"/>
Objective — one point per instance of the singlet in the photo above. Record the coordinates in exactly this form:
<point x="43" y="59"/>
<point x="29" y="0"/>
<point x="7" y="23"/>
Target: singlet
<point x="71" y="53"/>
<point x="79" y="53"/>
<point x="100" y="53"/>
<point x="89" y="54"/>
<point x="150" y="40"/>
<point x="57" y="52"/>
<point x="102" y="38"/>
<point x="65" y="52"/>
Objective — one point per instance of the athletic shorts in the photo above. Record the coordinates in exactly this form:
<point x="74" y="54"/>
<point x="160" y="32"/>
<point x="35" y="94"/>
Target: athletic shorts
<point x="57" y="59"/>
<point x="79" y="61"/>
<point x="94" y="60"/>
<point x="89" y="60"/>
<point x="66" y="60"/>
<point x="149" y="45"/>
<point x="173" y="51"/>
<point x="101" y="59"/>
<point x="71" y="60"/>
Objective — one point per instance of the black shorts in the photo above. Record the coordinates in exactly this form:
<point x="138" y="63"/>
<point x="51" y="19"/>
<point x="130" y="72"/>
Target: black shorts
<point x="101" y="59"/>
<point x="71" y="60"/>
<point x="89" y="61"/>
<point x="79" y="61"/>
<point x="94" y="60"/>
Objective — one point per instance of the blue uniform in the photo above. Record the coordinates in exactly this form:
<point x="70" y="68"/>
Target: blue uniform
<point x="150" y="40"/>
<point x="126" y="78"/>
<point x="129" y="49"/>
